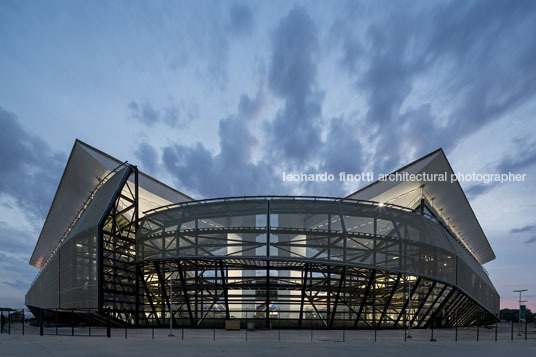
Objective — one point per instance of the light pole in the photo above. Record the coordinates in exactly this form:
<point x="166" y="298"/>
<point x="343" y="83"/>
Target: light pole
<point x="519" y="315"/>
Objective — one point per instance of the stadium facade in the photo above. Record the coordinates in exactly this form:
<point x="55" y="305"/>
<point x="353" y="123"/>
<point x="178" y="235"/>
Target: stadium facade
<point x="118" y="243"/>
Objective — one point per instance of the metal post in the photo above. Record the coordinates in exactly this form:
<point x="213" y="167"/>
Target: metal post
<point x="279" y="325"/>
<point x="247" y="325"/>
<point x="456" y="322"/>
<point x="171" y="304"/>
<point x="214" y="324"/>
<point x="9" y="322"/>
<point x="311" y="329"/>
<point x="72" y="322"/>
<point x="153" y="333"/>
<point x="108" y="329"/>
<point x="1" y="322"/>
<point x="23" y="325"/>
<point x="56" y="321"/>
<point x="89" y="320"/>
<point x="409" y="308"/>
<point x="267" y="323"/>
<point x="512" y="331"/>
<point x="182" y="329"/>
<point x="477" y="333"/>
<point x="526" y="327"/>
<point x="344" y="326"/>
<point x="432" y="339"/>
<point x="495" y="331"/>
<point x="41" y="323"/>
<point x="126" y="328"/>
<point x="519" y="314"/>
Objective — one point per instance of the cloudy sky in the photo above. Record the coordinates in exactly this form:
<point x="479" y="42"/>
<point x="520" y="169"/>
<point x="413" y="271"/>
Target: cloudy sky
<point x="219" y="98"/>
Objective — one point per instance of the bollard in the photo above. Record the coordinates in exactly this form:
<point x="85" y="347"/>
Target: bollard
<point x="526" y="326"/>
<point x="126" y="328"/>
<point x="279" y="325"/>
<point x="23" y="324"/>
<point x="1" y="322"/>
<point x="56" y="321"/>
<point x="344" y="327"/>
<point x="512" y="331"/>
<point x="153" y="333"/>
<point x="432" y="339"/>
<point x="9" y="322"/>
<point x="246" y="325"/>
<point x="182" y="330"/>
<point x="41" y="323"/>
<point x="214" y="326"/>
<point x="375" y="333"/>
<point x="456" y="338"/>
<point x="108" y="330"/>
<point x="72" y="322"/>
<point x="495" y="331"/>
<point x="311" y="330"/>
<point x="477" y="333"/>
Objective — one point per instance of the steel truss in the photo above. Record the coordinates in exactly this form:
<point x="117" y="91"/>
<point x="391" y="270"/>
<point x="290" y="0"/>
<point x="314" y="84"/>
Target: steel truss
<point x="119" y="289"/>
<point x="353" y="278"/>
<point x="302" y="294"/>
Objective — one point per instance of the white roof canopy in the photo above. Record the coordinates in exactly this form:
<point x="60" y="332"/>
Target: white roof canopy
<point x="445" y="197"/>
<point x="85" y="168"/>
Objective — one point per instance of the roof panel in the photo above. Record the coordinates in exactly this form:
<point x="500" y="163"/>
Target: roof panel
<point x="85" y="168"/>
<point x="447" y="198"/>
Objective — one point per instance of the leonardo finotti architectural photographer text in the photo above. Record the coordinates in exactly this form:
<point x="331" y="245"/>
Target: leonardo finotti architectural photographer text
<point x="404" y="176"/>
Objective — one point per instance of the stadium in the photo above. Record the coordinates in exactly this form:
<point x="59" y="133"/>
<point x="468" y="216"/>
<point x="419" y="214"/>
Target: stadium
<point x="120" y="245"/>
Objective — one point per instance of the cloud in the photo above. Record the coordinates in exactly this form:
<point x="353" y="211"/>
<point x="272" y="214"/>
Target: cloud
<point x="342" y="151"/>
<point x="144" y="113"/>
<point x="531" y="240"/>
<point x="461" y="50"/>
<point x="523" y="157"/>
<point x="30" y="169"/>
<point x="291" y="138"/>
<point x="249" y="108"/>
<point x="16" y="246"/>
<point x="230" y="172"/>
<point x="526" y="229"/>
<point x="148" y="157"/>
<point x="228" y="25"/>
<point x="529" y="228"/>
<point x="294" y="134"/>
<point x="401" y="49"/>
<point x="479" y="189"/>
<point x="172" y="115"/>
<point x="240" y="19"/>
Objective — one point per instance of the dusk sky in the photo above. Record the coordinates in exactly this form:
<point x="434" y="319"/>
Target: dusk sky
<point x="220" y="98"/>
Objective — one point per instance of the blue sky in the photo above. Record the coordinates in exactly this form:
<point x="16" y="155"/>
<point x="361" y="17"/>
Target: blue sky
<point x="219" y="98"/>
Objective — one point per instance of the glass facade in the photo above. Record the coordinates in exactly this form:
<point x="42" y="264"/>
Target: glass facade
<point x="70" y="277"/>
<point x="331" y="260"/>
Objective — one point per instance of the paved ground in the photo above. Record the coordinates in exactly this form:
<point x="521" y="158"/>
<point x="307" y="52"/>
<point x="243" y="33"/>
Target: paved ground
<point x="36" y="346"/>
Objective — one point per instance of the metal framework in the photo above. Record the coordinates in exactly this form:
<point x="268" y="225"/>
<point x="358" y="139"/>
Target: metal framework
<point x="118" y="289"/>
<point x="333" y="262"/>
<point x="306" y="261"/>
<point x="344" y="300"/>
